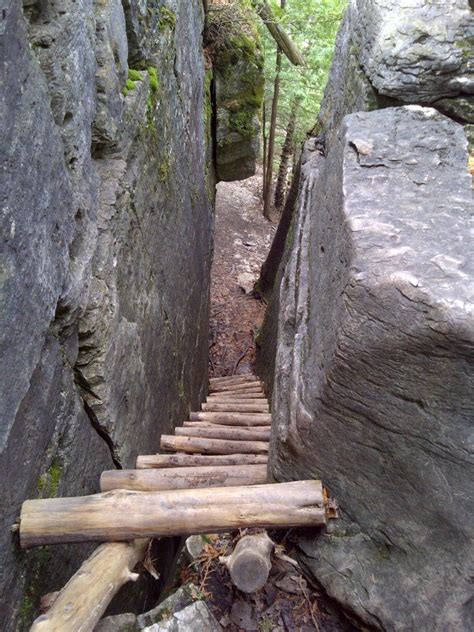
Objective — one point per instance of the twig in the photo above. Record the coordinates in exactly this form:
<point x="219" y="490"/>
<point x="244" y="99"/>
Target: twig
<point x="240" y="358"/>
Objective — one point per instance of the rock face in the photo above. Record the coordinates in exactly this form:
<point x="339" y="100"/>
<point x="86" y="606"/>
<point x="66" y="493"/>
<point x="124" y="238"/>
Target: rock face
<point x="374" y="381"/>
<point x="368" y="343"/>
<point x="409" y="51"/>
<point x="107" y="238"/>
<point x="239" y="82"/>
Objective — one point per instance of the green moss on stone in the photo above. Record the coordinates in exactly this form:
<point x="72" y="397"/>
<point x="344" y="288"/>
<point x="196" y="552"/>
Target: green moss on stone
<point x="167" y="19"/>
<point x="154" y="82"/>
<point x="134" y="75"/>
<point x="164" y="169"/>
<point x="242" y="123"/>
<point x="48" y="483"/>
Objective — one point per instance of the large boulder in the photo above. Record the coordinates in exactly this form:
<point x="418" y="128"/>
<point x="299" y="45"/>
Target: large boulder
<point x="239" y="82"/>
<point x="374" y="378"/>
<point x="409" y="51"/>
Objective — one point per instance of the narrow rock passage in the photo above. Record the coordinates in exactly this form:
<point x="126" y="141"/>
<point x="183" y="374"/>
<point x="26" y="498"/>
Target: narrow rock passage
<point x="242" y="240"/>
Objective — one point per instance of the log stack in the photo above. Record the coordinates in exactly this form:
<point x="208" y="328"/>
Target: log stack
<point x="224" y="447"/>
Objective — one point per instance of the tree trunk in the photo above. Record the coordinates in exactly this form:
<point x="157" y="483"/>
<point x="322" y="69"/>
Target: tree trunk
<point x="267" y="192"/>
<point x="127" y="515"/>
<point x="250" y="562"/>
<point x="286" y="153"/>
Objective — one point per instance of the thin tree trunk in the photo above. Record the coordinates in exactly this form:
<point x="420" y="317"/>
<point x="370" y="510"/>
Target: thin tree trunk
<point x="267" y="191"/>
<point x="286" y="152"/>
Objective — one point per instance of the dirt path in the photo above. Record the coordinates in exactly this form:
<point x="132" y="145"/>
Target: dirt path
<point x="242" y="240"/>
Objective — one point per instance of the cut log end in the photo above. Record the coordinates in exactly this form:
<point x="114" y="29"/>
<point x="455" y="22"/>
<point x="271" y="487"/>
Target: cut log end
<point x="250" y="563"/>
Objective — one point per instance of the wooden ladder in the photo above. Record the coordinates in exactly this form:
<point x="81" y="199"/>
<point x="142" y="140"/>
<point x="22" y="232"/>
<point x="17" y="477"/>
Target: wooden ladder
<point x="213" y="477"/>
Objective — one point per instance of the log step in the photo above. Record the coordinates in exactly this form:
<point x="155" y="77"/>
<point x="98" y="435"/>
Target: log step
<point x="239" y="396"/>
<point x="227" y="388"/>
<point x="212" y="446"/>
<point x="233" y="419"/>
<point x="214" y="432"/>
<point x="232" y="379"/>
<point x="235" y="408"/>
<point x="183" y="477"/>
<point x="146" y="461"/>
<point x="126" y="515"/>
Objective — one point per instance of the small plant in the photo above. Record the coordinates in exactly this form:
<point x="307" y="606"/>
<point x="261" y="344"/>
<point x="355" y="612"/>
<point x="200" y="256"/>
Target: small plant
<point x="154" y="83"/>
<point x="134" y="75"/>
<point x="167" y="19"/>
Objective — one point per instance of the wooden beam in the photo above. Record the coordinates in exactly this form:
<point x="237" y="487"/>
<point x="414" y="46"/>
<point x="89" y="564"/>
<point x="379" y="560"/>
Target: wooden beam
<point x="233" y="419"/>
<point x="227" y="388"/>
<point x="213" y="432"/>
<point x="232" y="379"/>
<point x="84" y="599"/>
<point x="146" y="461"/>
<point x="278" y="33"/>
<point x="239" y="396"/>
<point x="183" y="477"/>
<point x="219" y="407"/>
<point x="126" y="515"/>
<point x="212" y="446"/>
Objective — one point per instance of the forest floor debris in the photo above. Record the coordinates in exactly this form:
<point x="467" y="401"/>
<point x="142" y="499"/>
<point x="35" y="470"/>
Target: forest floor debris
<point x="242" y="240"/>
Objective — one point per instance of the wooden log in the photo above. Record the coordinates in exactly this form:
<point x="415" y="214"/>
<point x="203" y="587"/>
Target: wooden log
<point x="235" y="408"/>
<point x="232" y="432"/>
<point x="183" y="477"/>
<point x="236" y="401"/>
<point x="232" y="379"/>
<point x="227" y="388"/>
<point x="233" y="419"/>
<point x="212" y="446"/>
<point x="84" y="599"/>
<point x="278" y="33"/>
<point x="239" y="396"/>
<point x="146" y="461"/>
<point x="247" y="393"/>
<point x="250" y="562"/>
<point x="126" y="515"/>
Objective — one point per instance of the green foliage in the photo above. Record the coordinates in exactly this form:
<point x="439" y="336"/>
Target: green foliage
<point x="312" y="25"/>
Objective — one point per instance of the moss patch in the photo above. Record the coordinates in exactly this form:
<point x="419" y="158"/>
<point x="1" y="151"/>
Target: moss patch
<point x="48" y="483"/>
<point x="167" y="19"/>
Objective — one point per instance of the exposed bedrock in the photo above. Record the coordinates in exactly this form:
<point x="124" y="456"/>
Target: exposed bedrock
<point x="374" y="378"/>
<point x="107" y="238"/>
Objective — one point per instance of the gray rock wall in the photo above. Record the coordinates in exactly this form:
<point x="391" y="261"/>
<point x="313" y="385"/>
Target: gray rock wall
<point x="370" y="325"/>
<point x="374" y="380"/>
<point x="106" y="249"/>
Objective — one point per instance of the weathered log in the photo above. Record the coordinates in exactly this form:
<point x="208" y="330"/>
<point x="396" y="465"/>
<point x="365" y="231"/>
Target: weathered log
<point x="126" y="515"/>
<point x="236" y="433"/>
<point x="212" y="446"/>
<point x="233" y="419"/>
<point x="235" y="401"/>
<point x="278" y="33"/>
<point x="227" y="388"/>
<point x="183" y="477"/>
<point x="84" y="599"/>
<point x="232" y="379"/>
<point x="238" y="396"/>
<point x="146" y="461"/>
<point x="250" y="562"/>
<point x="235" y="408"/>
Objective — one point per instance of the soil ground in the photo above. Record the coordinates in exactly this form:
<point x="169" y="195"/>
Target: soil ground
<point x="242" y="240"/>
